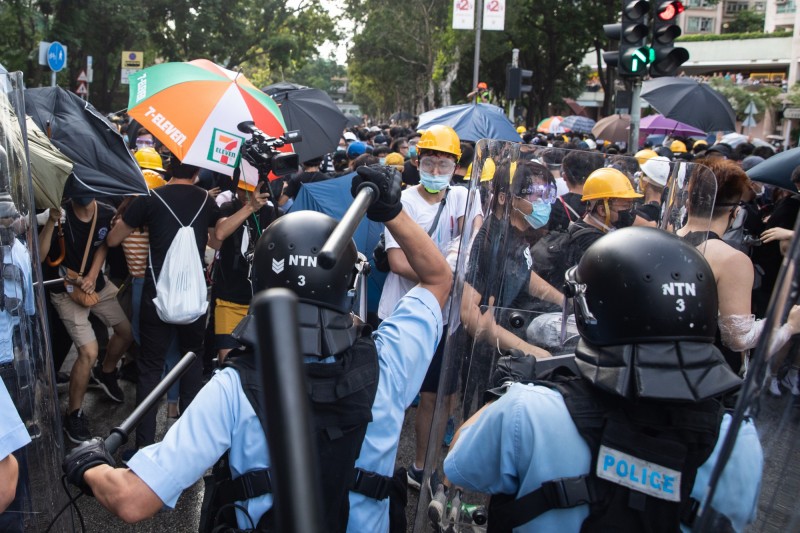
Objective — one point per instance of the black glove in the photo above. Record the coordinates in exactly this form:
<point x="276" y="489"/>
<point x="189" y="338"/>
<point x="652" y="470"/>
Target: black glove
<point x="513" y="367"/>
<point x="388" y="181"/>
<point x="87" y="455"/>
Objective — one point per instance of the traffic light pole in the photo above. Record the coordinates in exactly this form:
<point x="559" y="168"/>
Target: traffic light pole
<point x="636" y="113"/>
<point x="514" y="64"/>
<point x="477" y="60"/>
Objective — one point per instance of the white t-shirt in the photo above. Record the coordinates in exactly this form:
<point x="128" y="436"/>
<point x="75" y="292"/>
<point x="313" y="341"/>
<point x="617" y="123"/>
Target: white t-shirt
<point x="423" y="214"/>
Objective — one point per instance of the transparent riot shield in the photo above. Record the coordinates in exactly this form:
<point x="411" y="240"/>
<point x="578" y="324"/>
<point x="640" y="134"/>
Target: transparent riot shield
<point x="25" y="358"/>
<point x="777" y="356"/>
<point x="508" y="290"/>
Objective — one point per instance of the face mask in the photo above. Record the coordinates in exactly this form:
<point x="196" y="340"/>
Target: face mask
<point x="624" y="219"/>
<point x="382" y="161"/>
<point x="540" y="214"/>
<point x="433" y="183"/>
<point x="412" y="151"/>
<point x="126" y="139"/>
<point x="341" y="148"/>
<point x="83" y="200"/>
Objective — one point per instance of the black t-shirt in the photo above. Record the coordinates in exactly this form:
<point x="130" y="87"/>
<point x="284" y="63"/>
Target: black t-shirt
<point x="500" y="263"/>
<point x="561" y="216"/>
<point x="410" y="174"/>
<point x="231" y="282"/>
<point x="185" y="201"/>
<point x="293" y="187"/>
<point x="768" y="256"/>
<point x="76" y="235"/>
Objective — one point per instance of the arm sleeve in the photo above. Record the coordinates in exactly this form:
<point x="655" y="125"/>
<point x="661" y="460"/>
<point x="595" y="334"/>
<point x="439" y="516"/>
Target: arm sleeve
<point x="13" y="434"/>
<point x="136" y="213"/>
<point x="741" y="332"/>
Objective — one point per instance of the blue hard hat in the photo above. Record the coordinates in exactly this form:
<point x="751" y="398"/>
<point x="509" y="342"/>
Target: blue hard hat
<point x="356" y="149"/>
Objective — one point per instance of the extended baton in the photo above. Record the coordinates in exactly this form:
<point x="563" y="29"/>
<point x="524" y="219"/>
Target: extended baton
<point x="346" y="228"/>
<point x="119" y="435"/>
<point x="294" y="465"/>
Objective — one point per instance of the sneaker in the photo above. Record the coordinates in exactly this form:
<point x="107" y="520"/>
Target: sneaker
<point x="414" y="477"/>
<point x="77" y="427"/>
<point x="108" y="383"/>
<point x="790" y="382"/>
<point x="773" y="387"/>
<point x="449" y="432"/>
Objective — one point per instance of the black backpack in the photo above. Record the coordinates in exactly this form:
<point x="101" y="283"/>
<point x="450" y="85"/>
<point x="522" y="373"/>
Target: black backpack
<point x="554" y="253"/>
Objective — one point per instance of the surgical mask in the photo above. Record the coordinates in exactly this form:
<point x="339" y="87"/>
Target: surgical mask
<point x="624" y="219"/>
<point x="382" y="161"/>
<point x="540" y="214"/>
<point x="412" y="151"/>
<point x="341" y="148"/>
<point x="433" y="183"/>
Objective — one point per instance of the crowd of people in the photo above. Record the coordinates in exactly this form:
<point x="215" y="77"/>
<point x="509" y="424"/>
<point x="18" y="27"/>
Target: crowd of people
<point x="574" y="191"/>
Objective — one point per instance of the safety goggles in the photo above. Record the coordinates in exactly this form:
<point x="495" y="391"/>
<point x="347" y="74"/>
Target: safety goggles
<point x="433" y="164"/>
<point x="547" y="193"/>
<point x="141" y="142"/>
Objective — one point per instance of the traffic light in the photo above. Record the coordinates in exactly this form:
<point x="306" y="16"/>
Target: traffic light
<point x="665" y="31"/>
<point x="634" y="54"/>
<point x="517" y="82"/>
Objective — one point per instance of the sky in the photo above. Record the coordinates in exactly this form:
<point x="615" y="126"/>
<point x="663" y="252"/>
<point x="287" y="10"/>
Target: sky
<point x="337" y="51"/>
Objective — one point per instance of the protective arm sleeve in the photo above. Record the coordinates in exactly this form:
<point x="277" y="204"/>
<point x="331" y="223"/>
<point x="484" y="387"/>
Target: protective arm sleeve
<point x="741" y="332"/>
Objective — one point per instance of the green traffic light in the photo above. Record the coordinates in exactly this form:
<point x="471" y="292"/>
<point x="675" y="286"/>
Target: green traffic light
<point x="640" y="58"/>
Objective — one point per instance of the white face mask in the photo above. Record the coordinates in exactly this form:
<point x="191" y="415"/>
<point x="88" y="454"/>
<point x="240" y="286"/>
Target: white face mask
<point x="433" y="183"/>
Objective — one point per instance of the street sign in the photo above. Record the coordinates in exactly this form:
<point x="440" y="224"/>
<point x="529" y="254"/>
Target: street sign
<point x="82" y="77"/>
<point x="56" y="56"/>
<point x="749" y="122"/>
<point x="751" y="108"/>
<point x="792" y="113"/>
<point x="82" y="89"/>
<point x="463" y="14"/>
<point x="132" y="60"/>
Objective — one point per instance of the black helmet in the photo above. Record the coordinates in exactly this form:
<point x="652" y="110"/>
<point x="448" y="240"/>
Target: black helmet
<point x="640" y="285"/>
<point x="286" y="256"/>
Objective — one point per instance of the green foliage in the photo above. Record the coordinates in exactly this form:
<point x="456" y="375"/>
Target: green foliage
<point x="764" y="96"/>
<point x="746" y="21"/>
<point x="732" y="36"/>
<point x="793" y="96"/>
<point x="23" y="24"/>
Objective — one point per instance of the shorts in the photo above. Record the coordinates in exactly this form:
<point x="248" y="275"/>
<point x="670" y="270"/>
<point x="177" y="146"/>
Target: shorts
<point x="431" y="381"/>
<point x="76" y="317"/>
<point x="227" y="316"/>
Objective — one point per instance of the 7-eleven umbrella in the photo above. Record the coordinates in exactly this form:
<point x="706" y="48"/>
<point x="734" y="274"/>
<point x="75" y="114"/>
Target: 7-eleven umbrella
<point x="549" y="125"/>
<point x="194" y="108"/>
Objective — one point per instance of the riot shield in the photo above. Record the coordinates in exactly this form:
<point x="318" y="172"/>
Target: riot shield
<point x="777" y="356"/>
<point x="508" y="290"/>
<point x="25" y="357"/>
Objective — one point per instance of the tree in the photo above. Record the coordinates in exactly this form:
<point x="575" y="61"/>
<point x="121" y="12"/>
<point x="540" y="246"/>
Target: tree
<point x="24" y="23"/>
<point x="746" y="21"/>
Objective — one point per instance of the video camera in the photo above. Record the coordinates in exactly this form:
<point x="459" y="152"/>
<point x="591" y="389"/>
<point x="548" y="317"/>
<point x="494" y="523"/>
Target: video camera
<point x="260" y="150"/>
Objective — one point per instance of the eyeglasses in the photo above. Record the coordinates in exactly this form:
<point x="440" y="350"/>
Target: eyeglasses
<point x="443" y="165"/>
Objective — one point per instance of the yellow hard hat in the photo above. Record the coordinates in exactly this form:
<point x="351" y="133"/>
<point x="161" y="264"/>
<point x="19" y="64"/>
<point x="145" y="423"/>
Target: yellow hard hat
<point x="148" y="158"/>
<point x="442" y="139"/>
<point x="678" y="147"/>
<point x="487" y="172"/>
<point x="643" y="155"/>
<point x="153" y="179"/>
<point x="608" y="183"/>
<point x="395" y="160"/>
<point x="521" y="129"/>
<point x="700" y="142"/>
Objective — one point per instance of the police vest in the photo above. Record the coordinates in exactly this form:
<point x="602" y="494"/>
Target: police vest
<point x="341" y="396"/>
<point x="645" y="457"/>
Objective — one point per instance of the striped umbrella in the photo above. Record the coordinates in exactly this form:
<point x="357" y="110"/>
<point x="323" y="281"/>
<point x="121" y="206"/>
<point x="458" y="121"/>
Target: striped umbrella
<point x="549" y="125"/>
<point x="194" y="109"/>
<point x="577" y="124"/>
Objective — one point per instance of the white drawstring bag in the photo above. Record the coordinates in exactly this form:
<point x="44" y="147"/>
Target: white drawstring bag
<point x="181" y="292"/>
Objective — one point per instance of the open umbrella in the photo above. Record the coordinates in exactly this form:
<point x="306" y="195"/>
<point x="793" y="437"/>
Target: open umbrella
<point x="577" y="123"/>
<point x="549" y="125"/>
<point x="659" y="124"/>
<point x="777" y="170"/>
<point x="354" y="120"/>
<point x="401" y="116"/>
<point x="102" y="164"/>
<point x="472" y="122"/>
<point x="690" y="102"/>
<point x="316" y="116"/>
<point x="194" y="108"/>
<point x="613" y="128"/>
<point x="282" y="86"/>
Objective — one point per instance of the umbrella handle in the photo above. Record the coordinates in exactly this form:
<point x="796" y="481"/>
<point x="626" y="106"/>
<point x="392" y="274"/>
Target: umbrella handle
<point x="57" y="261"/>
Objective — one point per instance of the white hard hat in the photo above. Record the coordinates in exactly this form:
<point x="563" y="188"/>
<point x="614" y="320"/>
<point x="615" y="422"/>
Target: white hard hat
<point x="656" y="170"/>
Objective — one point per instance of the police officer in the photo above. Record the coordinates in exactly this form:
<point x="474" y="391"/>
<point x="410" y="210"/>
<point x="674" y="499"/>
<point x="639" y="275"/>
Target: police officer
<point x="637" y="433"/>
<point x="223" y="418"/>
<point x="13" y="436"/>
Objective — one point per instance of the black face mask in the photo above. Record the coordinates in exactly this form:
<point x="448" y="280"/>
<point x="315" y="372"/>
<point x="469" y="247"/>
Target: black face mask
<point x="624" y="219"/>
<point x="83" y="200"/>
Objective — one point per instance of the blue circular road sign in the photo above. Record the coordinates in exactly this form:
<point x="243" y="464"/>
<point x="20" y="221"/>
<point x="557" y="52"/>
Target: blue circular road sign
<point x="56" y="56"/>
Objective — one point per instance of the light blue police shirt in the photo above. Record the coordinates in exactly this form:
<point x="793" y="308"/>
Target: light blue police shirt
<point x="18" y="283"/>
<point x="527" y="437"/>
<point x="406" y="342"/>
<point x="219" y="418"/>
<point x="13" y="434"/>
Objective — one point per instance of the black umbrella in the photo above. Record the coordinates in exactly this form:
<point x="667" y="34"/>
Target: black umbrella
<point x="316" y="116"/>
<point x="691" y="102"/>
<point x="282" y="86"/>
<point x="103" y="166"/>
<point x="401" y="116"/>
<point x="777" y="170"/>
<point x="354" y="120"/>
